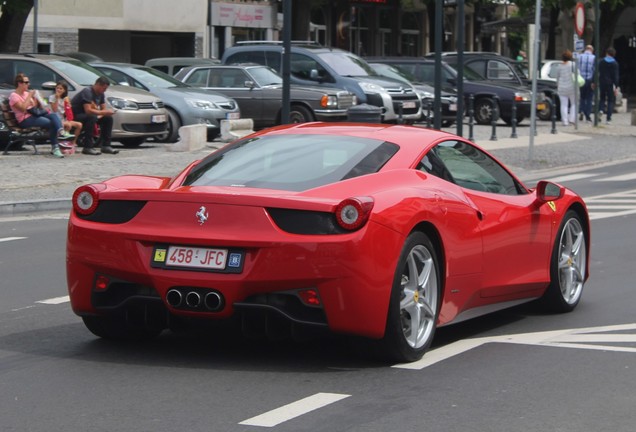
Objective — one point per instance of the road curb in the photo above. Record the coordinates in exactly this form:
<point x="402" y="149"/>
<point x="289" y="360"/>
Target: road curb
<point x="26" y="207"/>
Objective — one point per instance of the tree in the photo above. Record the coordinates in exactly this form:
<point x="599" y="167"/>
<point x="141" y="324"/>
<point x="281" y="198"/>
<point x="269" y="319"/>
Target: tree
<point x="13" y="16"/>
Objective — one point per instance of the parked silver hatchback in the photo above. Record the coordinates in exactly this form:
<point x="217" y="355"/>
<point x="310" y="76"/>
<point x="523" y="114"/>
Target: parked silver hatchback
<point x="139" y="114"/>
<point x="185" y="104"/>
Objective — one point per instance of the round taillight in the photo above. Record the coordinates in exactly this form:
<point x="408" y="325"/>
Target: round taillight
<point x="85" y="200"/>
<point x="352" y="213"/>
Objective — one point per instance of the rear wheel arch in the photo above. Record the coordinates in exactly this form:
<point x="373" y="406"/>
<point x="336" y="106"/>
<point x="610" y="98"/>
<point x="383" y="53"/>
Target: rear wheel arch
<point x="435" y="237"/>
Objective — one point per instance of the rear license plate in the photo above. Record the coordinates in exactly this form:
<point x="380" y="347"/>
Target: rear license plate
<point x="197" y="258"/>
<point x="408" y="104"/>
<point x="233" y="115"/>
<point x="158" y="118"/>
<point x="540" y="106"/>
<point x="452" y="107"/>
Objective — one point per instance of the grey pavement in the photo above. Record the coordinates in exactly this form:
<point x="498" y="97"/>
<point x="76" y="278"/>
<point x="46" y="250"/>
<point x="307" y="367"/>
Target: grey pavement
<point x="33" y="183"/>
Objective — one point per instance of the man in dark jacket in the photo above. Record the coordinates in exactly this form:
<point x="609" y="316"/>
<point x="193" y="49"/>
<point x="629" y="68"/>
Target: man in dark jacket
<point x="89" y="107"/>
<point x="608" y="83"/>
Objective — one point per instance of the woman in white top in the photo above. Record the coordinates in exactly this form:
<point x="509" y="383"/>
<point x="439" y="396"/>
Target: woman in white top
<point x="566" y="88"/>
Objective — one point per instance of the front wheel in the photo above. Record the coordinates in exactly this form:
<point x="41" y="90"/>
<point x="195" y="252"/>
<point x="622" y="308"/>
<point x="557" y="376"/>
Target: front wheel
<point x="568" y="266"/>
<point x="300" y="114"/>
<point x="484" y="111"/>
<point x="172" y="133"/>
<point x="415" y="300"/>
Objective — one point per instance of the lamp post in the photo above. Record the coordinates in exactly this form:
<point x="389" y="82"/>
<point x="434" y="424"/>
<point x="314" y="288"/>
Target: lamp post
<point x="35" y="26"/>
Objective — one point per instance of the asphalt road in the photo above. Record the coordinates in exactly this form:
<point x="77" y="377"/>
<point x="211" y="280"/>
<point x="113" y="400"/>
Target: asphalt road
<point x="515" y="370"/>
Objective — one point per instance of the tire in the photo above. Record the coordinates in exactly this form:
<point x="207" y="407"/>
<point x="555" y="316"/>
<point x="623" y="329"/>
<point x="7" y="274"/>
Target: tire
<point x="545" y="114"/>
<point x="120" y="327"/>
<point x="300" y="114"/>
<point x="483" y="111"/>
<point x="415" y="301"/>
<point x="174" y="123"/>
<point x="568" y="266"/>
<point x="132" y="142"/>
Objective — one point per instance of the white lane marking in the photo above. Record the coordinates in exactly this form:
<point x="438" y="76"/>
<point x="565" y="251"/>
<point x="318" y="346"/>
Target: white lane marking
<point x="294" y="409"/>
<point x="6" y="239"/>
<point x="55" y="300"/>
<point x="624" y="177"/>
<point x="611" y="205"/>
<point x="570" y="338"/>
<point x="572" y="177"/>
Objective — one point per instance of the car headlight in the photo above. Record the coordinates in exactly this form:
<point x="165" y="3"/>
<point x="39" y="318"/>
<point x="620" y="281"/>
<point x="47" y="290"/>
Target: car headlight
<point x="123" y="104"/>
<point x="368" y="87"/>
<point x="201" y="104"/>
<point x="329" y="101"/>
<point x="425" y="95"/>
<point x="522" y="96"/>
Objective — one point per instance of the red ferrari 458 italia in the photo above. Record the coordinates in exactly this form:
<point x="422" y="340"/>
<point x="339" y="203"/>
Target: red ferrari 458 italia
<point x="380" y="231"/>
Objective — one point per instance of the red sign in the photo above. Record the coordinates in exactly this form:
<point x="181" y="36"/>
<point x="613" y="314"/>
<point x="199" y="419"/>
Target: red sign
<point x="579" y="19"/>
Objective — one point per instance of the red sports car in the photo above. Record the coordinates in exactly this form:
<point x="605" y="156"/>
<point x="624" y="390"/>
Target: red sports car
<point x="380" y="231"/>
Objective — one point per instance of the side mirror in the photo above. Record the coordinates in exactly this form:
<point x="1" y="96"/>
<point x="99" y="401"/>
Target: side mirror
<point x="548" y="191"/>
<point x="249" y="84"/>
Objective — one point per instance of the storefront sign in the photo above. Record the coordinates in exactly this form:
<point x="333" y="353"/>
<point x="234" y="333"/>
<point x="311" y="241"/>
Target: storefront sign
<point x="242" y="15"/>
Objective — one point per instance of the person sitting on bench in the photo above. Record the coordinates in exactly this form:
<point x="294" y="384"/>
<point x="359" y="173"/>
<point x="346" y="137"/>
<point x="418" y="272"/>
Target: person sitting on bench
<point x="29" y="112"/>
<point x="89" y="108"/>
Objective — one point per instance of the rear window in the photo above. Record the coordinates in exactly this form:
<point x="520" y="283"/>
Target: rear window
<point x="291" y="162"/>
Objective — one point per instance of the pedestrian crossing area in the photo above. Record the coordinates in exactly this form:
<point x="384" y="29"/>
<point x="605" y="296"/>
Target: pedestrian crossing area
<point x="614" y="204"/>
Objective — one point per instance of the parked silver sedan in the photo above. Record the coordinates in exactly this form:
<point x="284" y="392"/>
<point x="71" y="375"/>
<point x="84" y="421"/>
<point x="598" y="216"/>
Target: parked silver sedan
<point x="259" y="93"/>
<point x="185" y="104"/>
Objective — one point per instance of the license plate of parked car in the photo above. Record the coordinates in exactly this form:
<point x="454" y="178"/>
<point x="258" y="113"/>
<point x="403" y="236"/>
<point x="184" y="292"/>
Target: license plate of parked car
<point x="408" y="104"/>
<point x="233" y="115"/>
<point x="158" y="118"/>
<point x="452" y="107"/>
<point x="540" y="106"/>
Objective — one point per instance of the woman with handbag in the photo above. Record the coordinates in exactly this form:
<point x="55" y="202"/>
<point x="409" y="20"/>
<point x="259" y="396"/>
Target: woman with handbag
<point x="29" y="112"/>
<point x="566" y="89"/>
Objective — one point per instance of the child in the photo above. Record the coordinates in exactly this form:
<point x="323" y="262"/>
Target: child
<point x="59" y="102"/>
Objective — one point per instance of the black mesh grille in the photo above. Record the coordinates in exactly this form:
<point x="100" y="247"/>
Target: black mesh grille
<point x="305" y="222"/>
<point x="114" y="212"/>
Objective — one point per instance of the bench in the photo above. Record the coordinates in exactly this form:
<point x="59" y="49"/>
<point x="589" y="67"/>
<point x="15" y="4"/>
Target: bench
<point x="17" y="135"/>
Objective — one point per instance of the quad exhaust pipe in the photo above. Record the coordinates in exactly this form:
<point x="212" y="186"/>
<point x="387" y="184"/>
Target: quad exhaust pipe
<point x="199" y="299"/>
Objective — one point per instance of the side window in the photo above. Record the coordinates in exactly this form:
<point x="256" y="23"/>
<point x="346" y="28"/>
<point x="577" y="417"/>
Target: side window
<point x="274" y="60"/>
<point x="198" y="78"/>
<point x="246" y="57"/>
<point x="38" y="73"/>
<point x="302" y="67"/>
<point x="116" y="76"/>
<point x="7" y="74"/>
<point x="163" y="69"/>
<point x="470" y="168"/>
<point x="499" y="71"/>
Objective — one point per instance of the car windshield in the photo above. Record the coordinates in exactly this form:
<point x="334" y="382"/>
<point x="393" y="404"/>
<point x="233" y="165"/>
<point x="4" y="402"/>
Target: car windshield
<point x="79" y="72"/>
<point x="153" y="78"/>
<point x="347" y="64"/>
<point x="393" y="72"/>
<point x="265" y="76"/>
<point x="469" y="74"/>
<point x="291" y="162"/>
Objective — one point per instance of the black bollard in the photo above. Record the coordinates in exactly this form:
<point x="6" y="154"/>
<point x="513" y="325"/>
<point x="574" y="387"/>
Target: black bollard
<point x="429" y="116"/>
<point x="471" y="117"/>
<point x="400" y="119"/>
<point x="553" y="113"/>
<point x="513" y="119"/>
<point x="494" y="118"/>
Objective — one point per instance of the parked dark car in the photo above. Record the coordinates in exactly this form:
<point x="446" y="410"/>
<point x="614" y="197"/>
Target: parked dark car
<point x="474" y="84"/>
<point x="315" y="65"/>
<point x="502" y="70"/>
<point x="259" y="92"/>
<point x="425" y="91"/>
<point x="185" y="104"/>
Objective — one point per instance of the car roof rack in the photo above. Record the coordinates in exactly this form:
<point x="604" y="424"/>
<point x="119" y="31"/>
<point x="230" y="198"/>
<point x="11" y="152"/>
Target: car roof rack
<point x="275" y="42"/>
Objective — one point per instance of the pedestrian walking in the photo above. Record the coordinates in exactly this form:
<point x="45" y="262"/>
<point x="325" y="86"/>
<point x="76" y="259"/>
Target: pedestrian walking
<point x="587" y="62"/>
<point x="566" y="74"/>
<point x="608" y="83"/>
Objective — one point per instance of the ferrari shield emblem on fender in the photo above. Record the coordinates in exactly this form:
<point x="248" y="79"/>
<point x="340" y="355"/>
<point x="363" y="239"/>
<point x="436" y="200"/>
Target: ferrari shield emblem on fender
<point x="202" y="215"/>
<point x="552" y="205"/>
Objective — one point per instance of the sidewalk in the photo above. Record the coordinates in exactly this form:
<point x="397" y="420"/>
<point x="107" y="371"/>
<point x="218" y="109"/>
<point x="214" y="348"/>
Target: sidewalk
<point x="32" y="183"/>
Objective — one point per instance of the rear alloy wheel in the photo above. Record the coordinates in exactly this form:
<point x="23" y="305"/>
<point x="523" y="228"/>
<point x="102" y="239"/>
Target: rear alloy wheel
<point x="483" y="111"/>
<point x="568" y="266"/>
<point x="300" y="114"/>
<point x="415" y="300"/>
